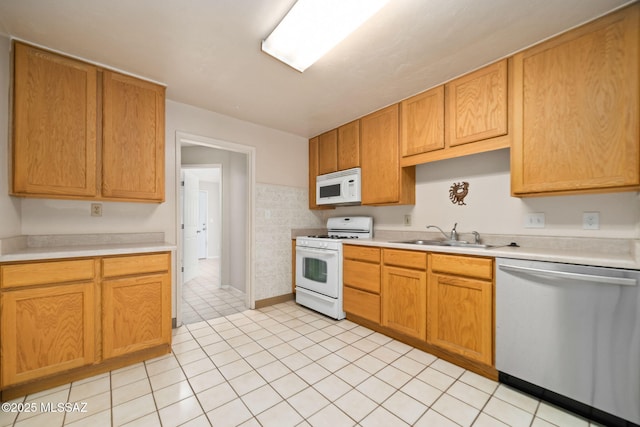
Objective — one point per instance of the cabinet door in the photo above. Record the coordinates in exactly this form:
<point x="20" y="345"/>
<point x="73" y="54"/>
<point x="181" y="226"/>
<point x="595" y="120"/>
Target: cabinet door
<point x="461" y="316"/>
<point x="383" y="181"/>
<point x="136" y="313"/>
<point x="54" y="134"/>
<point x="423" y="122"/>
<point x="46" y="330"/>
<point x="328" y="152"/>
<point x="577" y="110"/>
<point x="349" y="145"/>
<point x="404" y="301"/>
<point x="133" y="139"/>
<point x="477" y="105"/>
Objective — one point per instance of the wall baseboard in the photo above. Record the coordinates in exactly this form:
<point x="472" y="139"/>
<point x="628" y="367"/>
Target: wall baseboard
<point x="274" y="300"/>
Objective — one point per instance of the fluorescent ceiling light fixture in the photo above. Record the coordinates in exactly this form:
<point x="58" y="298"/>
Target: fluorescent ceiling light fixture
<point x="313" y="27"/>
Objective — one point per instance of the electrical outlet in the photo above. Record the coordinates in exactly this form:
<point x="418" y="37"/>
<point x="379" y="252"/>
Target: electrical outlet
<point x="96" y="209"/>
<point x="407" y="220"/>
<point x="591" y="220"/>
<point x="534" y="220"/>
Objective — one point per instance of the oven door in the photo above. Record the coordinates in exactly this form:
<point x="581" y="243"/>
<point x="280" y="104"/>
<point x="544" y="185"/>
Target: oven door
<point x="318" y="270"/>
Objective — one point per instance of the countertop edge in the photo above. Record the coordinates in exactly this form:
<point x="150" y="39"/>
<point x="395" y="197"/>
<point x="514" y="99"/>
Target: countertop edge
<point x="48" y="253"/>
<point x="625" y="261"/>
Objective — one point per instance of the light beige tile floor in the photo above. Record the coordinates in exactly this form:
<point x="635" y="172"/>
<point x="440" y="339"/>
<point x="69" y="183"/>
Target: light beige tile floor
<point x="203" y="298"/>
<point x="285" y="365"/>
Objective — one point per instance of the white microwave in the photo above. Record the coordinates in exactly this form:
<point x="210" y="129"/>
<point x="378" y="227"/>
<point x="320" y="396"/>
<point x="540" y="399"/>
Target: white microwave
<point x="339" y="188"/>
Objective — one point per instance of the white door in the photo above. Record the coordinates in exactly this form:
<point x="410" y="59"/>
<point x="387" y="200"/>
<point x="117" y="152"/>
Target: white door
<point x="203" y="205"/>
<point x="190" y="225"/>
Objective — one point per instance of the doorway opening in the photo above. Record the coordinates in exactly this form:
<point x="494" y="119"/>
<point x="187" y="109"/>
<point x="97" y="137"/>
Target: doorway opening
<point x="215" y="228"/>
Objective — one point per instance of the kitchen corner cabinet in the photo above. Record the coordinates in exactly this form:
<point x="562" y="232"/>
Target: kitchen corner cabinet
<point x="460" y="306"/>
<point x="384" y="181"/>
<point x="404" y="292"/>
<point x="468" y="115"/>
<point x="313" y="173"/>
<point x="328" y="152"/>
<point x="81" y="132"/>
<point x="62" y="320"/>
<point x="578" y="110"/>
<point x="48" y="318"/>
<point x="361" y="280"/>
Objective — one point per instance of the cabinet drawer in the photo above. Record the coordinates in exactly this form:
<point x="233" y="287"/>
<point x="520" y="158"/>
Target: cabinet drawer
<point x="361" y="253"/>
<point x="361" y="275"/>
<point x="43" y="273"/>
<point x="481" y="268"/>
<point x="409" y="259"/>
<point x="136" y="264"/>
<point x="363" y="304"/>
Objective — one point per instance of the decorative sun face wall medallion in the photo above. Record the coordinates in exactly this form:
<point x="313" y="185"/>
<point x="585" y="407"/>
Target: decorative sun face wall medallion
<point x="458" y="192"/>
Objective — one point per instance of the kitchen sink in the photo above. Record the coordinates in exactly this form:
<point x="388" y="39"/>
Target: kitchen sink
<point x="457" y="243"/>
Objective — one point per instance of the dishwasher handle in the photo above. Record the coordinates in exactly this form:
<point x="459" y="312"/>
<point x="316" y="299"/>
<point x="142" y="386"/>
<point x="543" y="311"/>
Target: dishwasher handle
<point x="607" y="280"/>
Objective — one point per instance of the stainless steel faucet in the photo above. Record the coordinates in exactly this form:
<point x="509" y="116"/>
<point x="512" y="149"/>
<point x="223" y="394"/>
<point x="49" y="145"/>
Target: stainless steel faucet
<point x="452" y="236"/>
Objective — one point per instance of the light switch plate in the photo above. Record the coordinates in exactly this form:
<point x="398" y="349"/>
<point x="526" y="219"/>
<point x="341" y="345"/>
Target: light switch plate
<point x="534" y="220"/>
<point x="407" y="220"/>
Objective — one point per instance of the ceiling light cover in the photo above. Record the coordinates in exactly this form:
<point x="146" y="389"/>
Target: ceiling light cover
<point x="313" y="27"/>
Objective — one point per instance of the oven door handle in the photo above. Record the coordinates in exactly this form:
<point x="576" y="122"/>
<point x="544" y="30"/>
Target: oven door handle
<point x="324" y="253"/>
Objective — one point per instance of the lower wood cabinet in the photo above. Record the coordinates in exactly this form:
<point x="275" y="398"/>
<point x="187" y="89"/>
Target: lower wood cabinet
<point x="361" y="279"/>
<point x="404" y="292"/>
<point x="62" y="320"/>
<point x="136" y="309"/>
<point x="47" y="330"/>
<point x="460" y="311"/>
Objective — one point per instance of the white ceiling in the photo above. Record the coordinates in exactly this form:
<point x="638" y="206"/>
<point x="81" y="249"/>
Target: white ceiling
<point x="208" y="51"/>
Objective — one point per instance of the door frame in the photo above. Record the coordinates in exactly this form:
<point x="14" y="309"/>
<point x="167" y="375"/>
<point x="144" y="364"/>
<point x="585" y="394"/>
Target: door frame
<point x="250" y="155"/>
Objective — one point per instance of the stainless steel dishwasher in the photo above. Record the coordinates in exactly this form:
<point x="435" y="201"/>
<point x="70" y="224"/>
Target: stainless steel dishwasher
<point x="570" y="334"/>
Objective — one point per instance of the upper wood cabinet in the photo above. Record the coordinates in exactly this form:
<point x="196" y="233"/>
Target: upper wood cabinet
<point x="313" y="173"/>
<point x="468" y="115"/>
<point x="477" y="105"/>
<point x="55" y="119"/>
<point x="328" y="152"/>
<point x="578" y="111"/>
<point x="349" y="145"/>
<point x="384" y="181"/>
<point x="133" y="138"/>
<point x="423" y="122"/>
<point x="81" y="132"/>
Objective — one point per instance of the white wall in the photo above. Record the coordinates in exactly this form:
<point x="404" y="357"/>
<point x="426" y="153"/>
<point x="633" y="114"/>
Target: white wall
<point x="490" y="208"/>
<point x="10" y="223"/>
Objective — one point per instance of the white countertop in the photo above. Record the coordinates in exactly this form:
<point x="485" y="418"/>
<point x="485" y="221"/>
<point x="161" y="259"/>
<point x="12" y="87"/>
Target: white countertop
<point x="32" y="248"/>
<point x="582" y="256"/>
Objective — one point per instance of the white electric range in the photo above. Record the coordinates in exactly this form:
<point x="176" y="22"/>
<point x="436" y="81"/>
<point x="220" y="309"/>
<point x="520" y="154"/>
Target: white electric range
<point x="319" y="264"/>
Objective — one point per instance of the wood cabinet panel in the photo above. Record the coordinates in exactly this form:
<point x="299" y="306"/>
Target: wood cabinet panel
<point x="383" y="180"/>
<point x="349" y="145"/>
<point x="136" y="313"/>
<point x="481" y="268"/>
<point x="461" y="316"/>
<point x="361" y="253"/>
<point x="423" y="122"/>
<point x="139" y="264"/>
<point x="404" y="301"/>
<point x="328" y="152"/>
<point x="578" y="110"/>
<point x="133" y="143"/>
<point x="403" y="258"/>
<point x="47" y="272"/>
<point x="46" y="330"/>
<point x="361" y="303"/>
<point x="54" y="132"/>
<point x="361" y="275"/>
<point x="477" y="105"/>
